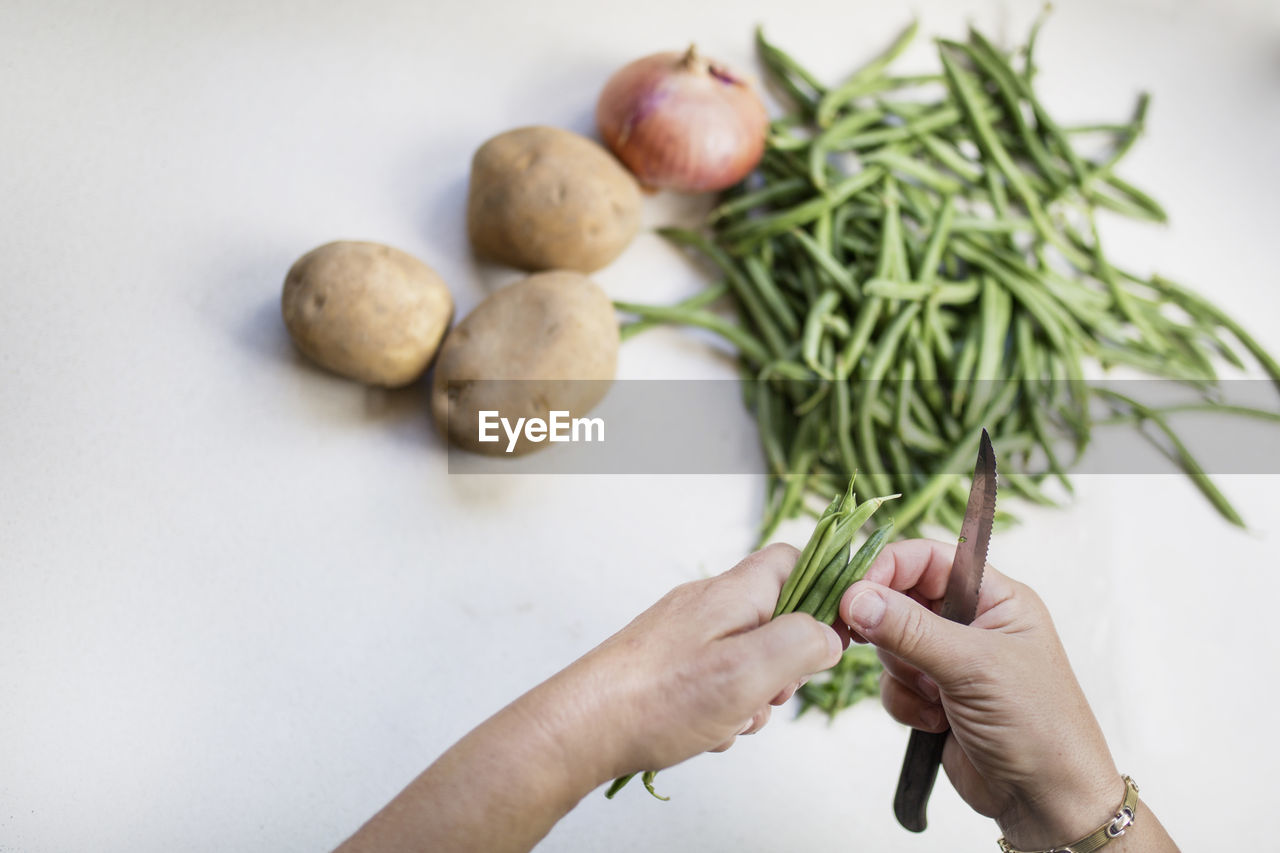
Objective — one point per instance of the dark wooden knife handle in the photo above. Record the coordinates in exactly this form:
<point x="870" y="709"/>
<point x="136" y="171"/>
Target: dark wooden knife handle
<point x="919" y="772"/>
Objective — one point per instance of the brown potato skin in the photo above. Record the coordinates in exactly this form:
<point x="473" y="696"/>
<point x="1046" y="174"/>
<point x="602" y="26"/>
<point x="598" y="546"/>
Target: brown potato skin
<point x="542" y="198"/>
<point x="540" y="332"/>
<point x="366" y="311"/>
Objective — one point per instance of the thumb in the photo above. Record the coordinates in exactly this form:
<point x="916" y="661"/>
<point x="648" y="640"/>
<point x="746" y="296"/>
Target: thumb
<point x="905" y="628"/>
<point x="785" y="650"/>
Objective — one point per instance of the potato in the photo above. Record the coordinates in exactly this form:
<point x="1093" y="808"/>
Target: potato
<point x="540" y="331"/>
<point x="542" y="198"/>
<point x="366" y="311"/>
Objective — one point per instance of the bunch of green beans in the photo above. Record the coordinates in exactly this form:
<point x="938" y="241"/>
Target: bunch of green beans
<point x="917" y="257"/>
<point x="824" y="570"/>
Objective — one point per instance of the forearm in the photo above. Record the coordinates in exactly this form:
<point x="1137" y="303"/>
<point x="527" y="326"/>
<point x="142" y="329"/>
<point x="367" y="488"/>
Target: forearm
<point x="686" y="676"/>
<point x="498" y="790"/>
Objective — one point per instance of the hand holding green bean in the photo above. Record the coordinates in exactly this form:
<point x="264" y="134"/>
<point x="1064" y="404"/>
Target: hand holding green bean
<point x="821" y="573"/>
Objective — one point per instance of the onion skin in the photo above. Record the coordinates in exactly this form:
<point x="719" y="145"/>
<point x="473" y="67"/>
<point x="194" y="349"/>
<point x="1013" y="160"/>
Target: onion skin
<point x="681" y="122"/>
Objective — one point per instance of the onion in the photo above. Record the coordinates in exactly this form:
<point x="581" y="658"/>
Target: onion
<point x="680" y="121"/>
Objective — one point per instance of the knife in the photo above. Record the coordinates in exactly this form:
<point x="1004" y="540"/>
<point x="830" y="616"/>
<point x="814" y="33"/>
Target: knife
<point x="959" y="604"/>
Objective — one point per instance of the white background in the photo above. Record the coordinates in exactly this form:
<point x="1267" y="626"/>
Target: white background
<point x="242" y="602"/>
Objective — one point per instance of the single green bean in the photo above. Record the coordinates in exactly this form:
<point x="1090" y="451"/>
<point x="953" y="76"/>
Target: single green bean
<point x="1180" y="454"/>
<point x="837" y="98"/>
<point x="758" y="273"/>
<point x="828" y="265"/>
<point x="701" y="299"/>
<point x="785" y="71"/>
<point x="950" y="157"/>
<point x="742" y="286"/>
<point x="1194" y="303"/>
<point x="912" y="167"/>
<point x="769" y="194"/>
<point x="1137" y="126"/>
<point x="801" y="214"/>
<point x="750" y="348"/>
<point x="868" y="314"/>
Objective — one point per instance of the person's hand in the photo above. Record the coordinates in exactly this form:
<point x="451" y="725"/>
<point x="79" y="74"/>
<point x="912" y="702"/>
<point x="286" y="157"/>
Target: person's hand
<point x="1024" y="747"/>
<point x="701" y="666"/>
<point x="705" y="663"/>
<point x="688" y="675"/>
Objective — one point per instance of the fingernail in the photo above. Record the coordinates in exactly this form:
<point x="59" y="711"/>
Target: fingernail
<point x="931" y="718"/>
<point x="834" y="644"/>
<point x="866" y="609"/>
<point x="745" y="726"/>
<point x="928" y="689"/>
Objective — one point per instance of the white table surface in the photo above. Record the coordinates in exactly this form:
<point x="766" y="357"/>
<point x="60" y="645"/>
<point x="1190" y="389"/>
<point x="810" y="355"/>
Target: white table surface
<point x="242" y="602"/>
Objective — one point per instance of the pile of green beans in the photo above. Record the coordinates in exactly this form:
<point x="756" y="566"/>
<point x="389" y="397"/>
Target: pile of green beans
<point x="917" y="257"/>
<point x="826" y="567"/>
<point x="854" y="678"/>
